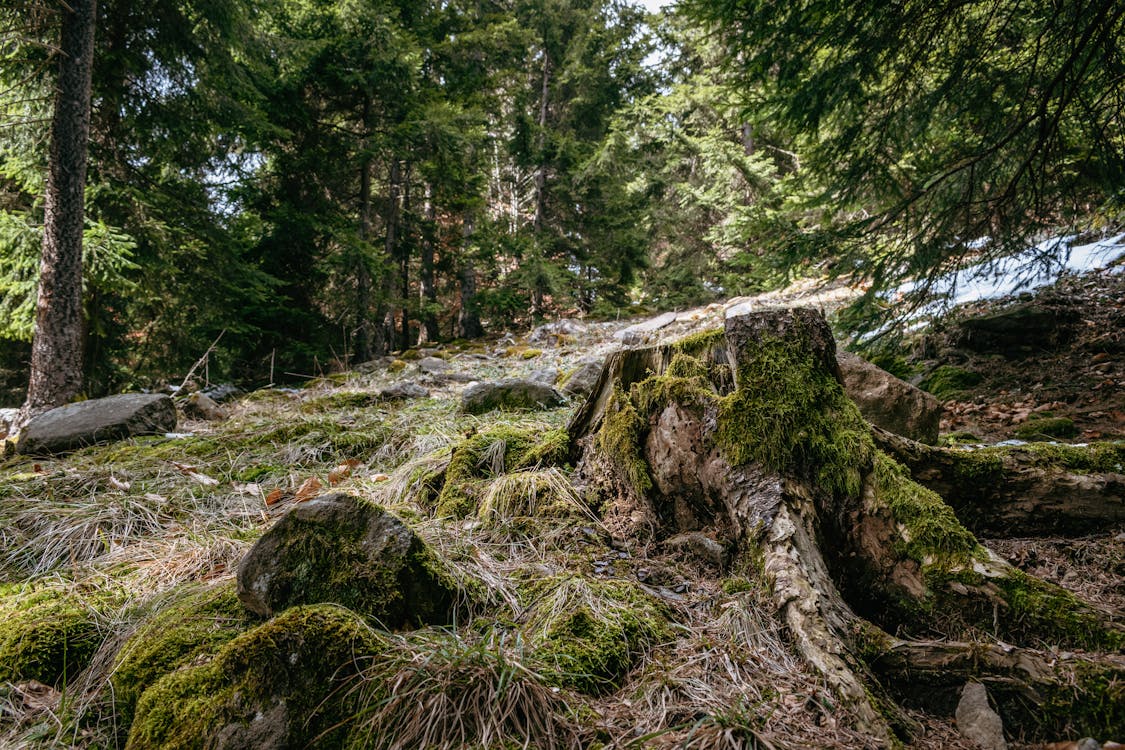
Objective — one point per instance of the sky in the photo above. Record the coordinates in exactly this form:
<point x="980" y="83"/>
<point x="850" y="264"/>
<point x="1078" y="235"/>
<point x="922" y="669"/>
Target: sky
<point x="654" y="5"/>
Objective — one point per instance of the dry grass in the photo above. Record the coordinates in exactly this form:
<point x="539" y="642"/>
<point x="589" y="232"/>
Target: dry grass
<point x="436" y="690"/>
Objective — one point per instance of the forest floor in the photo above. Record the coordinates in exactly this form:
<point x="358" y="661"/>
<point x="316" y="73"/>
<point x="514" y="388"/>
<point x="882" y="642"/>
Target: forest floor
<point x="120" y="528"/>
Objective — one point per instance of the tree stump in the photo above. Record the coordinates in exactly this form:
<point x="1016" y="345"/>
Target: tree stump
<point x="747" y="433"/>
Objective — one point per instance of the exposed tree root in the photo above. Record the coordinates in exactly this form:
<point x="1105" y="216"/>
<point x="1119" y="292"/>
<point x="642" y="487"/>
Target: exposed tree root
<point x="784" y="471"/>
<point x="1030" y="490"/>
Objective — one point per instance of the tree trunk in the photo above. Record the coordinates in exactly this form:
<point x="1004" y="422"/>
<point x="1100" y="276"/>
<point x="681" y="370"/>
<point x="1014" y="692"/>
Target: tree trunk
<point x="427" y="292"/>
<point x="363" y="351"/>
<point x="404" y="262"/>
<point x="748" y="435"/>
<point x="56" y="354"/>
<point x="385" y="333"/>
<point x="468" y="318"/>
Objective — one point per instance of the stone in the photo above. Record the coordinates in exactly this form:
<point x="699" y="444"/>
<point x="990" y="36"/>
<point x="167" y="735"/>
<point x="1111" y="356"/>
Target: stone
<point x="222" y="393"/>
<point x="97" y="421"/>
<point x="513" y="394"/>
<point x="7" y="419"/>
<point x="696" y="544"/>
<point x="639" y="332"/>
<point x="546" y="376"/>
<point x="551" y="332"/>
<point x="581" y="382"/>
<point x="342" y="550"/>
<point x="977" y="721"/>
<point x="200" y="406"/>
<point x="888" y="402"/>
<point x="433" y="366"/>
<point x="403" y="391"/>
<point x="1018" y="329"/>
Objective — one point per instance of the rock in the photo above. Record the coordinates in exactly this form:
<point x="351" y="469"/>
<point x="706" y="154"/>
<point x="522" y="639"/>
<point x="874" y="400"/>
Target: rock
<point x="403" y="391"/>
<point x="223" y="393"/>
<point x="700" y="546"/>
<point x="1018" y="329"/>
<point x="433" y="366"/>
<point x="509" y="394"/>
<point x="546" y="376"/>
<point x="201" y="406"/>
<point x="282" y="684"/>
<point x="581" y="382"/>
<point x="340" y="549"/>
<point x="638" y="332"/>
<point x="549" y="332"/>
<point x="97" y="420"/>
<point x="977" y="721"/>
<point x="888" y="402"/>
<point x="1089" y="743"/>
<point x="7" y="419"/>
<point x="374" y="365"/>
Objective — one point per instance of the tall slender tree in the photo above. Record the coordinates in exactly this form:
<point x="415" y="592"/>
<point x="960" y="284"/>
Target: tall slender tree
<point x="56" y="352"/>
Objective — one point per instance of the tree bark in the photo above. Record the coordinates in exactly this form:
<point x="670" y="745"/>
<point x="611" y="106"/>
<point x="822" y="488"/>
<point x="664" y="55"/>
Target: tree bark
<point x="385" y="333"/>
<point x="750" y="438"/>
<point x="468" y="318"/>
<point x="56" y="355"/>
<point x="427" y="293"/>
<point x="363" y="336"/>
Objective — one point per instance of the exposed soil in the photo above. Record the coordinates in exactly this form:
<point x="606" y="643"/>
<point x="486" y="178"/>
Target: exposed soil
<point x="1081" y="377"/>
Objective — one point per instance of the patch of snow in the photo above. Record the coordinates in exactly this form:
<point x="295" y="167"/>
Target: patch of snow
<point x="1036" y="267"/>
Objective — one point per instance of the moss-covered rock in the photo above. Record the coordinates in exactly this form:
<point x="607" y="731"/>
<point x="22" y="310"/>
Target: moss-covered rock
<point x="46" y="634"/>
<point x="490" y="453"/>
<point x="341" y="549"/>
<point x="1047" y="428"/>
<point x="587" y="635"/>
<point x="281" y="684"/>
<point x="510" y="395"/>
<point x="192" y="624"/>
<point x="949" y="382"/>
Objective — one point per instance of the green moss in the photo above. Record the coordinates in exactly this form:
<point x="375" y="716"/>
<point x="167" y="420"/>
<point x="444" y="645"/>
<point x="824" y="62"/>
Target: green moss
<point x="1053" y="615"/>
<point x="1097" y="457"/>
<point x="620" y="438"/>
<point x="949" y="382"/>
<point x="195" y="624"/>
<point x="701" y="342"/>
<point x="1092" y="706"/>
<point x="1047" y="428"/>
<point x="493" y="452"/>
<point x="683" y="366"/>
<point x="894" y="363"/>
<point x="280" y="684"/>
<point x="934" y="535"/>
<point x="397" y="365"/>
<point x="587" y="635"/>
<point x="957" y="438"/>
<point x="789" y="414"/>
<point x="45" y="634"/>
<point x="978" y="466"/>
<point x="530" y="353"/>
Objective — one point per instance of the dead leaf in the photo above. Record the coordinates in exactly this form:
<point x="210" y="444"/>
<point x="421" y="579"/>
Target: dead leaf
<point x="308" y="490"/>
<point x="342" y="472"/>
<point x="190" y="471"/>
<point x="119" y="484"/>
<point x="275" y="496"/>
<point x="152" y="497"/>
<point x="379" y="477"/>
<point x="252" y="489"/>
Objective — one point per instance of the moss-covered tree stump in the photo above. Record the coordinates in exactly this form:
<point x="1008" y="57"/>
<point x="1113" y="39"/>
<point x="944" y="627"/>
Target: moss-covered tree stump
<point x="748" y="434"/>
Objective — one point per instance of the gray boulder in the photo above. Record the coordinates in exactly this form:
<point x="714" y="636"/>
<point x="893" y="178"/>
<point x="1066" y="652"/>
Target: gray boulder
<point x="222" y="393"/>
<point x="977" y="721"/>
<point x="433" y="366"/>
<point x="7" y="418"/>
<point x="1018" y="329"/>
<point x="546" y="377"/>
<point x="96" y="421"/>
<point x="551" y="332"/>
<point x="638" y="333"/>
<point x="888" y="402"/>
<point x="343" y="550"/>
<point x="511" y="395"/>
<point x="581" y="382"/>
<point x="403" y="391"/>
